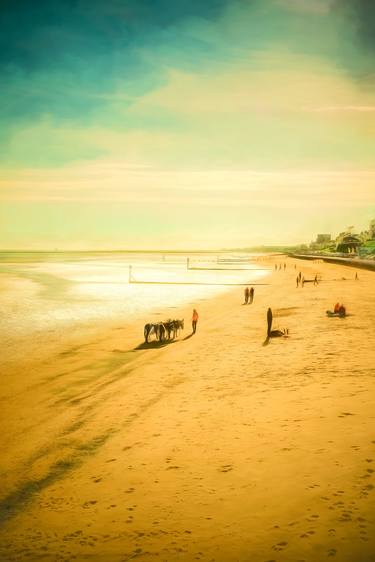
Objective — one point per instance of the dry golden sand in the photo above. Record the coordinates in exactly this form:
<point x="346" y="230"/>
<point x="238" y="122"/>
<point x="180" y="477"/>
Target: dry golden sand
<point x="213" y="448"/>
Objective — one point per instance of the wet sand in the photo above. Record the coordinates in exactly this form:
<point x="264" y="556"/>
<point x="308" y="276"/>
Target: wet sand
<point x="214" y="447"/>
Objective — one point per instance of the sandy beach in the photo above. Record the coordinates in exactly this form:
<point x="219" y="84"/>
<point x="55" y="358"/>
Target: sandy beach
<point x="214" y="447"/>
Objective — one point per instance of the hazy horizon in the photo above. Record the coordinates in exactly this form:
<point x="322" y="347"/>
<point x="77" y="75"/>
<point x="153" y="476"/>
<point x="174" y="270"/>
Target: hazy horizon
<point x="228" y="123"/>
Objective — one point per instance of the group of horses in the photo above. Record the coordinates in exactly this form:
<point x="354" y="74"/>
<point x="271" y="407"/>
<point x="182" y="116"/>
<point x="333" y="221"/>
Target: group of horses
<point x="164" y="330"/>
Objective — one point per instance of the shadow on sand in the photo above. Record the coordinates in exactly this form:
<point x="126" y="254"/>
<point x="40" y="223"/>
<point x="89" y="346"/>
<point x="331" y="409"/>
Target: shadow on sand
<point x="188" y="336"/>
<point x="154" y="344"/>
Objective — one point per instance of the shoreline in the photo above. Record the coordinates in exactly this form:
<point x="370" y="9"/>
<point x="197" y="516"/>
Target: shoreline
<point x="104" y="440"/>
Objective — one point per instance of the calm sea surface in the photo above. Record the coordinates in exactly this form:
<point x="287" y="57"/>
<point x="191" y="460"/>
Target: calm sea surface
<point x="53" y="291"/>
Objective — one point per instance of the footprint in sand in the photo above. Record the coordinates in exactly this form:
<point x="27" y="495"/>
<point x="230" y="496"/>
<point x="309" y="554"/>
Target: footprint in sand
<point x="225" y="468"/>
<point x="280" y="546"/>
<point x="331" y="552"/>
<point x="88" y="504"/>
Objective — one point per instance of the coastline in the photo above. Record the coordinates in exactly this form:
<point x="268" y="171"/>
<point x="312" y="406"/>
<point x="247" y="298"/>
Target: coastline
<point x="214" y="447"/>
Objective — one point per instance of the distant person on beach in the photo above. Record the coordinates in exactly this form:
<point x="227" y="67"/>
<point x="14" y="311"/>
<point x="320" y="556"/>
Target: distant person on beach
<point x="297" y="280"/>
<point x="269" y="322"/>
<point x="275" y="266"/>
<point x="356" y="276"/>
<point x="251" y="295"/>
<point x="194" y="320"/>
<point x="247" y="292"/>
<point x="300" y="276"/>
<point x="316" y="279"/>
<point x="302" y="282"/>
<point x="336" y="308"/>
<point x="284" y="266"/>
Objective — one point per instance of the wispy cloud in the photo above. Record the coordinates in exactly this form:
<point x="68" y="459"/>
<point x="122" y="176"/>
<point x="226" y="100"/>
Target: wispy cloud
<point x="320" y="7"/>
<point x="341" y="109"/>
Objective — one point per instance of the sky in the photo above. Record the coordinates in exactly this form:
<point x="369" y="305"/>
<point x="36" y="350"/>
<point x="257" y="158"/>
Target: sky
<point x="145" y="124"/>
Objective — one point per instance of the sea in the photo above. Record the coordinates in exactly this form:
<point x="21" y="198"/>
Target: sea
<point x="46" y="292"/>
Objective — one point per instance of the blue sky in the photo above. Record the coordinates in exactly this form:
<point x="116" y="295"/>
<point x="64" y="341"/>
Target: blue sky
<point x="125" y="118"/>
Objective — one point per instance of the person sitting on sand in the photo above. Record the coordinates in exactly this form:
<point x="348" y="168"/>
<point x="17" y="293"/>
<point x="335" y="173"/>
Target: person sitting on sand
<point x="279" y="333"/>
<point x="342" y="311"/>
<point x="194" y="320"/>
<point x="336" y="308"/>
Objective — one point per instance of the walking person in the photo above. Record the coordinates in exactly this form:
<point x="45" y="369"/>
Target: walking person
<point x="251" y="294"/>
<point x="247" y="292"/>
<point x="297" y="281"/>
<point x="194" y="320"/>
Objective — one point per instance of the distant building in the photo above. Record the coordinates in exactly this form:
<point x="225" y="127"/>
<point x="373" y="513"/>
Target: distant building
<point x="323" y="238"/>
<point x="348" y="244"/>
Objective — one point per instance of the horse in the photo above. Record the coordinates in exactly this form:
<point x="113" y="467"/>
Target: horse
<point x="158" y="329"/>
<point x="148" y="329"/>
<point x="169" y="328"/>
<point x="160" y="333"/>
<point x="163" y="330"/>
<point x="177" y="326"/>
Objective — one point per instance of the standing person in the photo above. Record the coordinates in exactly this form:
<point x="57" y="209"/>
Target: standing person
<point x="297" y="281"/>
<point x="269" y="322"/>
<point x="247" y="292"/>
<point x="194" y="320"/>
<point x="316" y="279"/>
<point x="251" y="295"/>
<point x="302" y="282"/>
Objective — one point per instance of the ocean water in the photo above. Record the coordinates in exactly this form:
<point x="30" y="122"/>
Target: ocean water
<point x="50" y="292"/>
